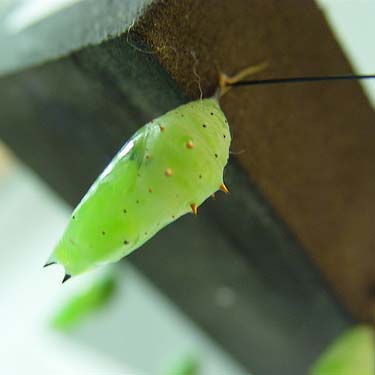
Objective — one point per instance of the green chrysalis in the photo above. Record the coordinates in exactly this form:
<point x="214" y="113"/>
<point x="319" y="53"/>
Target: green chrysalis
<point x="168" y="168"/>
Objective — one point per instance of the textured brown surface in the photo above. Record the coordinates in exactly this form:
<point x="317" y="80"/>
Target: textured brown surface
<point x="309" y="148"/>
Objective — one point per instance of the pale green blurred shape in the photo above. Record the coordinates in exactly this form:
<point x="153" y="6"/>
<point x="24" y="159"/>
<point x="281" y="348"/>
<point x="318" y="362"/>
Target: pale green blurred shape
<point x="187" y="366"/>
<point x="352" y="353"/>
<point x="84" y="303"/>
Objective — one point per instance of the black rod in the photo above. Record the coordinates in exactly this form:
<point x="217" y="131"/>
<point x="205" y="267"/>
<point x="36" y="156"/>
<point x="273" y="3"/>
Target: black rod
<point x="272" y="81"/>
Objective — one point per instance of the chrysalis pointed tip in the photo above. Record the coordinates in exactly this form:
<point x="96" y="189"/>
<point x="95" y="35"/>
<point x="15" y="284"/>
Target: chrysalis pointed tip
<point x="223" y="188"/>
<point x="49" y="263"/>
<point x="194" y="209"/>
<point x="66" y="277"/>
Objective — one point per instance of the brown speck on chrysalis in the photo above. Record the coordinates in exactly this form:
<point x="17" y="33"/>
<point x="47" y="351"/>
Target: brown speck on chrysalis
<point x="200" y="176"/>
<point x="204" y="125"/>
<point x="126" y="242"/>
<point x="189" y="144"/>
<point x="168" y="172"/>
<point x="162" y="128"/>
<point x="148" y="156"/>
<point x="149" y="190"/>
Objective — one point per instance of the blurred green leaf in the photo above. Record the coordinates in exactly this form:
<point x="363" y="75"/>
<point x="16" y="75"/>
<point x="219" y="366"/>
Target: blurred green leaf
<point x="82" y="304"/>
<point x="352" y="353"/>
<point x="187" y="366"/>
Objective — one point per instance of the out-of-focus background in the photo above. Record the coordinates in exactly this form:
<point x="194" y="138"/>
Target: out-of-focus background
<point x="122" y="337"/>
<point x="138" y="331"/>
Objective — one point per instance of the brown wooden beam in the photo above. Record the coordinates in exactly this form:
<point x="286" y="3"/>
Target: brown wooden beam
<point x="309" y="148"/>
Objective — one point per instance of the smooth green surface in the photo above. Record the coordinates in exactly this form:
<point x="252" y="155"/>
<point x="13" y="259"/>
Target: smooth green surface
<point x="153" y="180"/>
<point x="84" y="303"/>
<point x="352" y="353"/>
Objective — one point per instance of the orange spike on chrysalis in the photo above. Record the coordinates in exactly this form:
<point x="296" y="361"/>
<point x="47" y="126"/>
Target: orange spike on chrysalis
<point x="223" y="188"/>
<point x="168" y="172"/>
<point x="189" y="144"/>
<point x="194" y="209"/>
